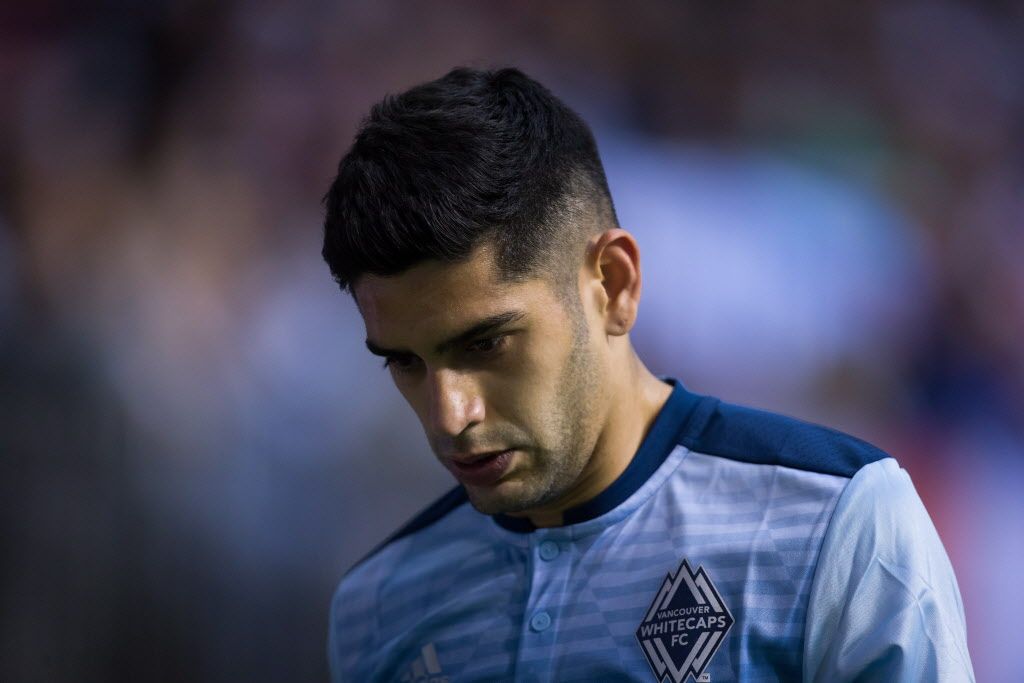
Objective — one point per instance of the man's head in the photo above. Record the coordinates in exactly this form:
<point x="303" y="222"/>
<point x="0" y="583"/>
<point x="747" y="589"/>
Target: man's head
<point x="472" y="222"/>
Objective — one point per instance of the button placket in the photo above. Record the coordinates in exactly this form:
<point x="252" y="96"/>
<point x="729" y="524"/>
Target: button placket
<point x="540" y="621"/>
<point x="548" y="550"/>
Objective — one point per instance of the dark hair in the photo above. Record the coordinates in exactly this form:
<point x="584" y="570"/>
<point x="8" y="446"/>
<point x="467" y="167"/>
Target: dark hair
<point x="472" y="157"/>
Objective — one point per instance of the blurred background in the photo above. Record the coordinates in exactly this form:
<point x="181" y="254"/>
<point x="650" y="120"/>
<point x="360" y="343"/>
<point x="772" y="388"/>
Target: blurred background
<point x="194" y="444"/>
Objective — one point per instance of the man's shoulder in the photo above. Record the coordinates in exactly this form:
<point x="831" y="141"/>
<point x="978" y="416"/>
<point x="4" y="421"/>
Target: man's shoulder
<point x="435" y="513"/>
<point x="760" y="437"/>
<point x="382" y="560"/>
<point x="391" y="578"/>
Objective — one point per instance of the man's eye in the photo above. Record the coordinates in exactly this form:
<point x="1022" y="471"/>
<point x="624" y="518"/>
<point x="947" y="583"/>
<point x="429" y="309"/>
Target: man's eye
<point x="488" y="345"/>
<point x="400" y="363"/>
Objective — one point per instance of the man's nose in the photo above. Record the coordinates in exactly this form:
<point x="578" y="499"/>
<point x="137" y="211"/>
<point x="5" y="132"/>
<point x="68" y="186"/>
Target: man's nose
<point x="455" y="403"/>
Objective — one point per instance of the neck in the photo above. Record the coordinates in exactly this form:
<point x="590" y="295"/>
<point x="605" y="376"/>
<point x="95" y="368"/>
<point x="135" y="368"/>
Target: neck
<point x="638" y="397"/>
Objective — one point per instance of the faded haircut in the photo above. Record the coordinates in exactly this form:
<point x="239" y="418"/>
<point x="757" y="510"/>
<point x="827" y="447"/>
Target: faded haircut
<point x="471" y="158"/>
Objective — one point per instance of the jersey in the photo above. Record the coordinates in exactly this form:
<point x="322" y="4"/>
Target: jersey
<point x="736" y="545"/>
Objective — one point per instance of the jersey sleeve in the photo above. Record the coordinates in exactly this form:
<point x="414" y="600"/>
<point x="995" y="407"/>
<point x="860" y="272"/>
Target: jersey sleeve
<point x="884" y="603"/>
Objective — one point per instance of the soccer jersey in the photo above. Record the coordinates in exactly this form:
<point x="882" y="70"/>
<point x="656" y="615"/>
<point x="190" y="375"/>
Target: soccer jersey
<point x="737" y="545"/>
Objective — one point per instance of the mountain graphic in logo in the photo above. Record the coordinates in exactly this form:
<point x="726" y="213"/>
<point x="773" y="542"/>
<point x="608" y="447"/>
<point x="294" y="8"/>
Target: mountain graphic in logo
<point x="684" y="626"/>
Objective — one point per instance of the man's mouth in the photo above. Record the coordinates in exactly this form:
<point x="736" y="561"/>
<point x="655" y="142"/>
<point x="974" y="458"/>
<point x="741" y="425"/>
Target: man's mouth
<point x="481" y="469"/>
<point x="473" y="458"/>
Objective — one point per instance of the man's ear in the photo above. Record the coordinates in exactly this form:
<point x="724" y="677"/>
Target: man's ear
<point x="613" y="257"/>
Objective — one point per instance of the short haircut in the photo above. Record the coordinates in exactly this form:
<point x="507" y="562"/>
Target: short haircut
<point x="473" y="157"/>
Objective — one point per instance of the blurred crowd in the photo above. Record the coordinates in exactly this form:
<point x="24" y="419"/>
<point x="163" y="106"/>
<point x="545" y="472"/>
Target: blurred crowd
<point x="194" y="444"/>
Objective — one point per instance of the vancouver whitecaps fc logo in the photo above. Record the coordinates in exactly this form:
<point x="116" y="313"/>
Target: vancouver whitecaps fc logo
<point x="684" y="626"/>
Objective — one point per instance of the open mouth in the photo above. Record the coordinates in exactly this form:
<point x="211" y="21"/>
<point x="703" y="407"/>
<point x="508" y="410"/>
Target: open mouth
<point x="486" y="470"/>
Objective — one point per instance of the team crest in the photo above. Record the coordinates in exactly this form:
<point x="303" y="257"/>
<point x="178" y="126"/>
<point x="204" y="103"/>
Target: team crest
<point x="684" y="626"/>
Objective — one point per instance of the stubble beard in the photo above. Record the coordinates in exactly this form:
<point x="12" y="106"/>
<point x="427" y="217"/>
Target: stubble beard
<point x="556" y="469"/>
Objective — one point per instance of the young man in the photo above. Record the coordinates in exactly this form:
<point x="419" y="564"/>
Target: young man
<point x="607" y="524"/>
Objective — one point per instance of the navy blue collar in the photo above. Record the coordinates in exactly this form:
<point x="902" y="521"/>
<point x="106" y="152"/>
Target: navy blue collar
<point x="661" y="439"/>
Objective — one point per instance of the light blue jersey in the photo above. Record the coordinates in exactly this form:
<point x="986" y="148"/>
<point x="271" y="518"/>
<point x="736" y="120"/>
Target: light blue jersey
<point x="737" y="545"/>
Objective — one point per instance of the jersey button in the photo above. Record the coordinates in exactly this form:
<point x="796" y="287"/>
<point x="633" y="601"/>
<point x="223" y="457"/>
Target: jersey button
<point x="548" y="550"/>
<point x="540" y="621"/>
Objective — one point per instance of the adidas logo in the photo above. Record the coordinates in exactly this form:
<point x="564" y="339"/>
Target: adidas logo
<point x="425" y="668"/>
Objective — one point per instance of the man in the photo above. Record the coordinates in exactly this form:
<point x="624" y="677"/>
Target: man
<point x="607" y="524"/>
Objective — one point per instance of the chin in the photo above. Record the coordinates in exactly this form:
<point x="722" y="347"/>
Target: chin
<point x="494" y="501"/>
<point x="507" y="498"/>
<point x="489" y="504"/>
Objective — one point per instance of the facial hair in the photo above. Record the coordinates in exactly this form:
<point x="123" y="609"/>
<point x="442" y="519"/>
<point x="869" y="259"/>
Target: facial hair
<point x="557" y="467"/>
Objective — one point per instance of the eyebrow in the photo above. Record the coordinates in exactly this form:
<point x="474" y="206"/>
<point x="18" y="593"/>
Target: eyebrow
<point x="490" y="324"/>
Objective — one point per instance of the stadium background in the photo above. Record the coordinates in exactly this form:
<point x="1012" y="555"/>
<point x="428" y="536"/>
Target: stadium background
<point x="195" y="445"/>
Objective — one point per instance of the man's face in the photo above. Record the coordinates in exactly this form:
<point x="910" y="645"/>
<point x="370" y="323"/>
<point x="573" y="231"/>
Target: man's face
<point x="505" y="380"/>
